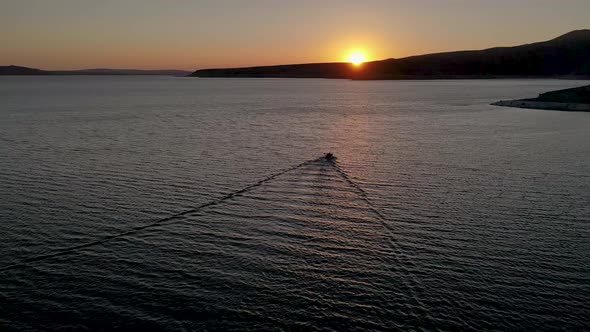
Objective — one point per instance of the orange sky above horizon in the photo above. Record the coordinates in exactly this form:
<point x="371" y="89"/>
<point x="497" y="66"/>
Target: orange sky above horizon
<point x="184" y="34"/>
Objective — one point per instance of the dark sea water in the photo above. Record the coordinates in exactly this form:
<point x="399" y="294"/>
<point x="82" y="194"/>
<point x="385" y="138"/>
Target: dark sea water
<point x="441" y="212"/>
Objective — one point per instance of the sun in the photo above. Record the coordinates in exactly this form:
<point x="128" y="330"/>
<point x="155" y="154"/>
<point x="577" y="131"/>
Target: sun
<point x="357" y="58"/>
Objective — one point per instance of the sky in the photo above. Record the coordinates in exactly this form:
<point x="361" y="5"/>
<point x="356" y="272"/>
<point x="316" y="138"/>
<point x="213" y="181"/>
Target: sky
<point x="196" y="34"/>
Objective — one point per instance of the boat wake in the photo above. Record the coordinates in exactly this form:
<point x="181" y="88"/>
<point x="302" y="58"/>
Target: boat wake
<point x="173" y="218"/>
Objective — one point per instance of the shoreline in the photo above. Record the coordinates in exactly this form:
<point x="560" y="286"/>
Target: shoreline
<point x="544" y="105"/>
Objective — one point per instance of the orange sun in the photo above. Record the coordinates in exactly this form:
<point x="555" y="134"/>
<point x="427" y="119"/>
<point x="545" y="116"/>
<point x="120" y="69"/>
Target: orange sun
<point x="357" y="58"/>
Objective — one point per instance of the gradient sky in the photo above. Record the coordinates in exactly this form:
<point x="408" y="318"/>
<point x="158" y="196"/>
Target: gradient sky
<point x="191" y="34"/>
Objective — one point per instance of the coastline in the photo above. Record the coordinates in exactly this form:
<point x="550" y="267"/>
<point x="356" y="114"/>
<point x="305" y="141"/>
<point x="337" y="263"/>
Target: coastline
<point x="544" y="105"/>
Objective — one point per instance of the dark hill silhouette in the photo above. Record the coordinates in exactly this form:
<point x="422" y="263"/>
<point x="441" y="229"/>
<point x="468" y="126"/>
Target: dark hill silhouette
<point x="105" y="71"/>
<point x="580" y="95"/>
<point x="18" y="70"/>
<point x="308" y="70"/>
<point x="564" y="56"/>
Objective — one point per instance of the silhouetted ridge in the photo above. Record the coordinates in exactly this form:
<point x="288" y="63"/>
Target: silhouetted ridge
<point x="18" y="70"/>
<point x="107" y="71"/>
<point x="574" y="95"/>
<point x="576" y="35"/>
<point x="311" y="70"/>
<point x="565" y="56"/>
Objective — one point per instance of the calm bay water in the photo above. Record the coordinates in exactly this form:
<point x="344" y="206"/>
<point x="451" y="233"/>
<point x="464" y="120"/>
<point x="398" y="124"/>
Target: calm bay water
<point x="442" y="212"/>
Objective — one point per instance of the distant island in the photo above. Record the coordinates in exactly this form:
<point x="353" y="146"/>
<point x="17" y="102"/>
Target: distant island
<point x="20" y="71"/>
<point x="574" y="100"/>
<point x="567" y="56"/>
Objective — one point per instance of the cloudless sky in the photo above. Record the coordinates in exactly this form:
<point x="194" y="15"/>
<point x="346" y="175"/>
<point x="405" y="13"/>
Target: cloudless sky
<point x="191" y="34"/>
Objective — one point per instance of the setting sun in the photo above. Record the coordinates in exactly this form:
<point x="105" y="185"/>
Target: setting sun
<point x="357" y="58"/>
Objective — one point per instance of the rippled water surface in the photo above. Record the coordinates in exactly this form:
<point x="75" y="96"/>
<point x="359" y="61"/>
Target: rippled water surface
<point x="200" y="204"/>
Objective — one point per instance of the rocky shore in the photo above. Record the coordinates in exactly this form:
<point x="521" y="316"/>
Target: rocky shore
<point x="544" y="105"/>
<point x="573" y="100"/>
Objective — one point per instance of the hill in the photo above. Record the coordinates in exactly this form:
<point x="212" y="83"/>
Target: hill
<point x="18" y="70"/>
<point x="564" y="56"/>
<point x="309" y="70"/>
<point x="580" y="95"/>
<point x="104" y="71"/>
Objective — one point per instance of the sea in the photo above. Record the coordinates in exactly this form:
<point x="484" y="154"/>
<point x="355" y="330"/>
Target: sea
<point x="153" y="203"/>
